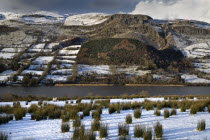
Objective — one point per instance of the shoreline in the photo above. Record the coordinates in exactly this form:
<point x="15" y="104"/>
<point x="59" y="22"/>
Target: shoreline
<point x="109" y="85"/>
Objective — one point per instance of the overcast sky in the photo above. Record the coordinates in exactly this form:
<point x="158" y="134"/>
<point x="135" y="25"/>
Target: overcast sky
<point x="160" y="9"/>
<point x="69" y="6"/>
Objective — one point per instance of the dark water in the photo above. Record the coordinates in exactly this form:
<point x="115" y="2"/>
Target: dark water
<point x="103" y="91"/>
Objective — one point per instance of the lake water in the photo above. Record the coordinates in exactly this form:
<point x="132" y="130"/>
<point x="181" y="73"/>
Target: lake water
<point x="52" y="91"/>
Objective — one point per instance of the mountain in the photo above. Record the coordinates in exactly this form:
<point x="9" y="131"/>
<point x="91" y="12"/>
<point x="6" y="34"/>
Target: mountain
<point x="56" y="49"/>
<point x="41" y="17"/>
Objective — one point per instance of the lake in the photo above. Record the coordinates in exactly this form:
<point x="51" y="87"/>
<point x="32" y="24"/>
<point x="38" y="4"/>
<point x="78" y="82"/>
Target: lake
<point x="73" y="91"/>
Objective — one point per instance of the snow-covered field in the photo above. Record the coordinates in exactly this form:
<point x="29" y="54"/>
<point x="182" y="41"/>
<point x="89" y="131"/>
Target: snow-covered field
<point x="7" y="55"/>
<point x="194" y="79"/>
<point x="6" y="74"/>
<point x="107" y="70"/>
<point x="43" y="60"/>
<point x="181" y="126"/>
<point x="33" y="72"/>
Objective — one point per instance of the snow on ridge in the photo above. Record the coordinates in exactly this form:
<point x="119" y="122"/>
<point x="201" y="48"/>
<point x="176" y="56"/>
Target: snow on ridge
<point x="86" y="19"/>
<point x="39" y="17"/>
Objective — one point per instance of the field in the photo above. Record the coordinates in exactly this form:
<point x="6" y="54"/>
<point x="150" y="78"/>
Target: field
<point x="182" y="122"/>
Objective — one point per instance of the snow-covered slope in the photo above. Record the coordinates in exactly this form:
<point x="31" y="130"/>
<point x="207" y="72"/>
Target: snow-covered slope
<point x="197" y="50"/>
<point x="35" y="18"/>
<point x="86" y="19"/>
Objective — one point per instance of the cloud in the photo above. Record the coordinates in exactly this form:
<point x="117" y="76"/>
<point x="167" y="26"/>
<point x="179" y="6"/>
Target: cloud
<point x="15" y="6"/>
<point x="175" y="9"/>
<point x="69" y="6"/>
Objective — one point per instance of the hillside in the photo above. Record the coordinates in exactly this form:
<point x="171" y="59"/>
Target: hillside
<point x="47" y="48"/>
<point x="115" y="51"/>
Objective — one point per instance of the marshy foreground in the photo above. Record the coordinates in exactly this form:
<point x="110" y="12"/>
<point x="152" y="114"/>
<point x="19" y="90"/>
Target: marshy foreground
<point x="125" y="117"/>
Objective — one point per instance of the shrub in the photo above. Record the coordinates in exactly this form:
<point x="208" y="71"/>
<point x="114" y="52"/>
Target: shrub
<point x="157" y="112"/>
<point x="193" y="109"/>
<point x="123" y="130"/>
<point x="158" y="128"/>
<point x="89" y="135"/>
<point x="82" y="132"/>
<point x="201" y="125"/>
<point x="183" y="109"/>
<point x="138" y="131"/>
<point x="76" y="123"/>
<point x="95" y="125"/>
<point x="112" y="109"/>
<point x="166" y="114"/>
<point x="86" y="112"/>
<point x="16" y="104"/>
<point x="103" y="131"/>
<point x="76" y="134"/>
<point x="73" y="114"/>
<point x="33" y="108"/>
<point x="40" y="114"/>
<point x="148" y="105"/>
<point x="96" y="115"/>
<point x="173" y="112"/>
<point x="5" y="119"/>
<point x="55" y="114"/>
<point x="19" y="113"/>
<point x="128" y="119"/>
<point x="147" y="134"/>
<point x="65" y="118"/>
<point x="40" y="102"/>
<point x="137" y="113"/>
<point x="65" y="127"/>
<point x="118" y="109"/>
<point x="3" y="136"/>
<point x="6" y="109"/>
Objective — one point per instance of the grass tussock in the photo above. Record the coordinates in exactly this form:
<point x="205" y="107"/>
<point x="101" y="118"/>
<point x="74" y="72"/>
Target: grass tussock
<point x="65" y="127"/>
<point x="166" y="113"/>
<point x="89" y="135"/>
<point x="173" y="112"/>
<point x="193" y="110"/>
<point x="96" y="115"/>
<point x="201" y="125"/>
<point x="138" y="131"/>
<point x="19" y="113"/>
<point x="123" y="130"/>
<point x="4" y="136"/>
<point x="157" y="112"/>
<point x="137" y="113"/>
<point x="158" y="128"/>
<point x="5" y="119"/>
<point x="77" y="123"/>
<point x="147" y="134"/>
<point x="103" y="131"/>
<point x="128" y="119"/>
<point x="95" y="125"/>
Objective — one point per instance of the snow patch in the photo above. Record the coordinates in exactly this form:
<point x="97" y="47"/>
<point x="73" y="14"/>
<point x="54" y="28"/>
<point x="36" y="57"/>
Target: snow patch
<point x="86" y="19"/>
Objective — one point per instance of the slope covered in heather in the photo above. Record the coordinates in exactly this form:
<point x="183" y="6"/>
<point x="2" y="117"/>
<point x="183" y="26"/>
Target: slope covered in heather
<point x="126" y="51"/>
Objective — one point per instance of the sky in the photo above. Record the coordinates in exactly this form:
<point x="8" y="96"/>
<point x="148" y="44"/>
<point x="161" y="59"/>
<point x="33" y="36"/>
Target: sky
<point x="69" y="6"/>
<point x="158" y="9"/>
